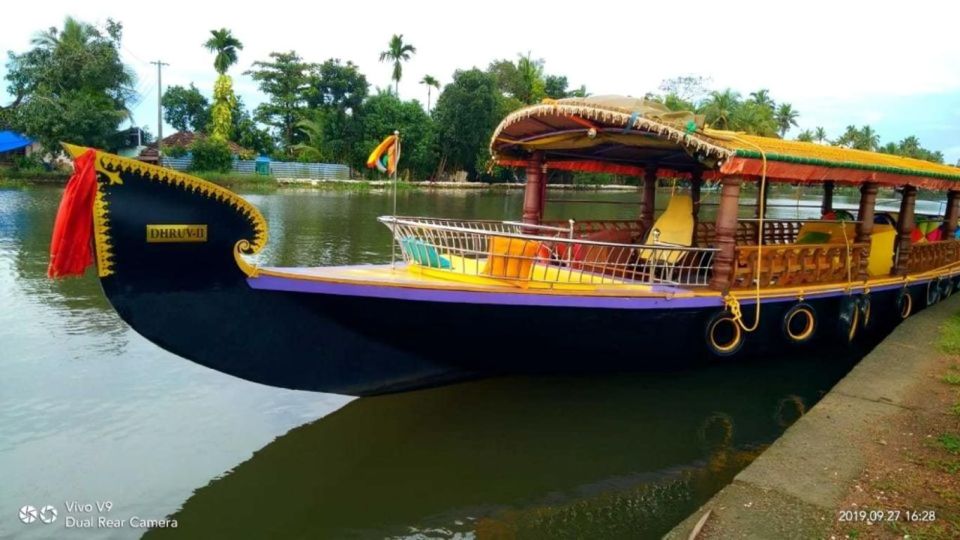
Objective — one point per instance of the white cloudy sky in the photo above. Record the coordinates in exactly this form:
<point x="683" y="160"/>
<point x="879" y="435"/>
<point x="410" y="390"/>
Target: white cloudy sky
<point x="894" y="65"/>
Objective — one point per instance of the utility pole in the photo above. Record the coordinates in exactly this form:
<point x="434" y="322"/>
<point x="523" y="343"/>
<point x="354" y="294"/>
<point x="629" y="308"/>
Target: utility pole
<point x="159" y="64"/>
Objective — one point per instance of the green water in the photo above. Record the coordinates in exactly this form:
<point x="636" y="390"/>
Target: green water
<point x="90" y="411"/>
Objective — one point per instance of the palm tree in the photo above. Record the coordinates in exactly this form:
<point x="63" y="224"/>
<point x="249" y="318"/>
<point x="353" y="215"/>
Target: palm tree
<point x="785" y="117"/>
<point x="397" y="52"/>
<point x="431" y="83"/>
<point x="314" y="148"/>
<point x="226" y="46"/>
<point x="868" y="139"/>
<point x="820" y="134"/>
<point x="531" y="88"/>
<point x="805" y="136"/>
<point x="74" y="33"/>
<point x="719" y="108"/>
<point x="762" y="97"/>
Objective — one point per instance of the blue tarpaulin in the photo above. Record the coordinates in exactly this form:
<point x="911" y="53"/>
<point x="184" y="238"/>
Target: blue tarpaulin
<point x="11" y="140"/>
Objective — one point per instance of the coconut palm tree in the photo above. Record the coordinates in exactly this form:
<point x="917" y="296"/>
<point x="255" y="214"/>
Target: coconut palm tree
<point x="805" y="136"/>
<point x="431" y="83"/>
<point x="820" y="134"/>
<point x="785" y="117"/>
<point x="397" y="52"/>
<point x="762" y="97"/>
<point x="719" y="107"/>
<point x="868" y="139"/>
<point x="74" y="33"/>
<point x="226" y="46"/>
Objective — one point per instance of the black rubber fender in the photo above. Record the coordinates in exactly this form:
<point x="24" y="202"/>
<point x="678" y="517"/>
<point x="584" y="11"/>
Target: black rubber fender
<point x="723" y="334"/>
<point x="799" y="323"/>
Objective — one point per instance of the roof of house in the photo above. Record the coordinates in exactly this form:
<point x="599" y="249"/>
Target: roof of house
<point x="186" y="138"/>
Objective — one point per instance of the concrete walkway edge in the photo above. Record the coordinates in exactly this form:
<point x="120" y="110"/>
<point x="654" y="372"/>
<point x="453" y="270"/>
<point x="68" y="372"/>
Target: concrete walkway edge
<point x="795" y="487"/>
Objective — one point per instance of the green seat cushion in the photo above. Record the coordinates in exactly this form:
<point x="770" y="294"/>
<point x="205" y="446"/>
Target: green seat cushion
<point x="814" y="237"/>
<point x="423" y="253"/>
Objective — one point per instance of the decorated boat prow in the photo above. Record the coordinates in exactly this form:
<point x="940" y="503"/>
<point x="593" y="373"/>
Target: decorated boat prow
<point x="474" y="298"/>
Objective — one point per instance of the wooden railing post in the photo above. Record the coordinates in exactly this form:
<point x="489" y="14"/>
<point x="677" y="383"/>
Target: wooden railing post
<point x="827" y="204"/>
<point x="952" y="214"/>
<point x="533" y="192"/>
<point x="726" y="231"/>
<point x="904" y="229"/>
<point x="648" y="204"/>
<point x="868" y="201"/>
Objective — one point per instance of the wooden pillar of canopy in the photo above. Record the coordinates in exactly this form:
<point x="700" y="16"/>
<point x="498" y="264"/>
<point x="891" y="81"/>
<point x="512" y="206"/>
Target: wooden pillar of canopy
<point x="905" y="225"/>
<point x="952" y="215"/>
<point x="648" y="203"/>
<point x="726" y="233"/>
<point x="868" y="200"/>
<point x="533" y="192"/>
<point x="827" y="205"/>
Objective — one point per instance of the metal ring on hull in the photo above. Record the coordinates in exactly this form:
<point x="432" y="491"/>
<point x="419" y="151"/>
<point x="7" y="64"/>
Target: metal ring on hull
<point x="724" y="336"/>
<point x="933" y="292"/>
<point x="800" y="323"/>
<point x="904" y="304"/>
<point x="865" y="310"/>
<point x="848" y="321"/>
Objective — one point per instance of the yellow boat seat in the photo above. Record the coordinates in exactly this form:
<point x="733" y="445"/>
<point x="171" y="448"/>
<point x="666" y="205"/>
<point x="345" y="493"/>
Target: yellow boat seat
<point x="674" y="227"/>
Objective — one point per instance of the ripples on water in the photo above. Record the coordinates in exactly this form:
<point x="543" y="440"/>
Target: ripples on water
<point x="91" y="411"/>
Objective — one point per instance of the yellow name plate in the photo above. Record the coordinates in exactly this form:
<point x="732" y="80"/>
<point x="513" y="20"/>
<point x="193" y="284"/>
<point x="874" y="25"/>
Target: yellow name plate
<point x="157" y="234"/>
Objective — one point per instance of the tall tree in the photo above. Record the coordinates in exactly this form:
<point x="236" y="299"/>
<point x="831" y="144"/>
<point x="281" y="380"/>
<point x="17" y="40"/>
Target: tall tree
<point x="719" y="107"/>
<point x="285" y="80"/>
<point x="225" y="45"/>
<point x="467" y="111"/>
<point x="186" y="109"/>
<point x="555" y="86"/>
<point x="431" y="83"/>
<point x="805" y="136"/>
<point x="70" y="86"/>
<point x="339" y="90"/>
<point x="820" y="134"/>
<point x="762" y="97"/>
<point x="786" y="117"/>
<point x="397" y="52"/>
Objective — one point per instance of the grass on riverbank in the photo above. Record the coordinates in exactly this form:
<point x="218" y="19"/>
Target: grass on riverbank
<point x="912" y="473"/>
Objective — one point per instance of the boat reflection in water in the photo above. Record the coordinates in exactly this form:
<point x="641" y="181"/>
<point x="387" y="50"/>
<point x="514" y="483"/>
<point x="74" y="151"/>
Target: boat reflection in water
<point x="611" y="456"/>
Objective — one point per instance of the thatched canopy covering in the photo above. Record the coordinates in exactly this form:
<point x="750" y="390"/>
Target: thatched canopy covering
<point x="626" y="135"/>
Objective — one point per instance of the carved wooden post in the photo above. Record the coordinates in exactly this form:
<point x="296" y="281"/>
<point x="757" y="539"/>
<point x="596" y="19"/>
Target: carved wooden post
<point x="649" y="198"/>
<point x="868" y="199"/>
<point x="953" y="213"/>
<point x="904" y="229"/>
<point x="827" y="205"/>
<point x="726" y="239"/>
<point x="533" y="191"/>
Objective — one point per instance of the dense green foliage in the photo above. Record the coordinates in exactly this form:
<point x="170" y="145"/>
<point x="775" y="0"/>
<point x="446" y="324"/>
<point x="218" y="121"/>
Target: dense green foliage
<point x="186" y="109"/>
<point x="467" y="112"/>
<point x="285" y="80"/>
<point x="210" y="154"/>
<point x="70" y="86"/>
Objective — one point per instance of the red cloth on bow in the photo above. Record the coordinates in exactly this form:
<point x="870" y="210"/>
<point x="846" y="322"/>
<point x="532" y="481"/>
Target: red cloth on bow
<point x="71" y="249"/>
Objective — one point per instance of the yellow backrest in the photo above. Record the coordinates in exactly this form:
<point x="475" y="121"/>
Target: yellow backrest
<point x="675" y="224"/>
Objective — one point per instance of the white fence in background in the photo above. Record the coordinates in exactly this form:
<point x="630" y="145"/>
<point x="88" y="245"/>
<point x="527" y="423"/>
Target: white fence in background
<point x="278" y="169"/>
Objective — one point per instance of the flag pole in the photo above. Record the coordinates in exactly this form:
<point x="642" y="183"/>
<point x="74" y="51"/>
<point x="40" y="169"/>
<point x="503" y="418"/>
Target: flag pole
<point x="396" y="170"/>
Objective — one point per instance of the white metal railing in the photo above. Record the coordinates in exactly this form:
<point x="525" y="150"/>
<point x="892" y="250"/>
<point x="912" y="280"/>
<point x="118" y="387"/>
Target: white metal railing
<point x="523" y="254"/>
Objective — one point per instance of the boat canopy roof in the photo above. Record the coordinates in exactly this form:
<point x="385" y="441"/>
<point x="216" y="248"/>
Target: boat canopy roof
<point x="625" y="135"/>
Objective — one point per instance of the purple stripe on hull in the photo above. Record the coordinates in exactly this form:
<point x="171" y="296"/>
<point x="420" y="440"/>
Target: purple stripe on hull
<point x="275" y="283"/>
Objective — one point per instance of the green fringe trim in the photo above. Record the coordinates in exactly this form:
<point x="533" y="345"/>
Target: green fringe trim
<point x="753" y="154"/>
